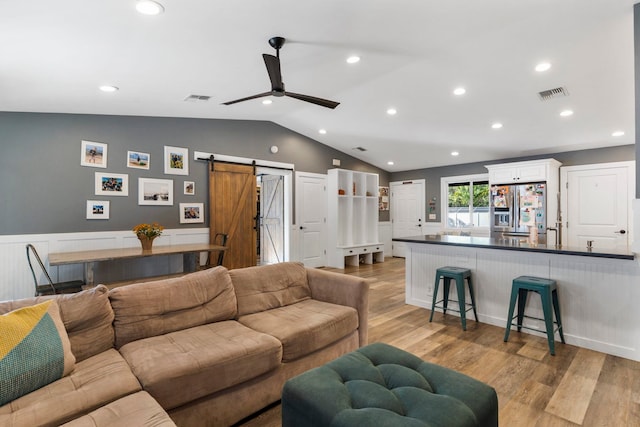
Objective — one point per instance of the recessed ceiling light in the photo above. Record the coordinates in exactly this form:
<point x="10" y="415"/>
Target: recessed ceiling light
<point x="322" y="131"/>
<point x="496" y="126"/>
<point x="108" y="88"/>
<point x="454" y="153"/>
<point x="267" y="102"/>
<point x="543" y="66"/>
<point x="149" y="7"/>
<point x="392" y="111"/>
<point x="390" y="163"/>
<point x="566" y="113"/>
<point x="459" y="91"/>
<point x="617" y="133"/>
<point x="353" y="59"/>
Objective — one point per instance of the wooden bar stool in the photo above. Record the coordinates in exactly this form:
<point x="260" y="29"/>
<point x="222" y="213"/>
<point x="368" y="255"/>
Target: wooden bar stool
<point x="548" y="291"/>
<point x="458" y="274"/>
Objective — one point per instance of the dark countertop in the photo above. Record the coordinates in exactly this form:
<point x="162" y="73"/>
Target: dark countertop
<point x="514" y="245"/>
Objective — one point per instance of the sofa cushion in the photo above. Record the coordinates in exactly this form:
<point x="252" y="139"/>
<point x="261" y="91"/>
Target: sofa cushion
<point x="269" y="286"/>
<point x="137" y="410"/>
<point x="154" y="308"/>
<point x="94" y="382"/>
<point x="87" y="317"/>
<point x="304" y="327"/>
<point x="34" y="350"/>
<point x="182" y="366"/>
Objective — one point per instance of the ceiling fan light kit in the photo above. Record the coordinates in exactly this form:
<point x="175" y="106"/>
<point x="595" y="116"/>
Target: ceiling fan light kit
<point x="277" y="85"/>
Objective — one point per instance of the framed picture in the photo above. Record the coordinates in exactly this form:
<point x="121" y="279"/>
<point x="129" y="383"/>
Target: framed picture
<point x="191" y="212"/>
<point x="112" y="184"/>
<point x="383" y="198"/>
<point x="97" y="209"/>
<point x="176" y="160"/>
<point x="93" y="154"/>
<point x="153" y="191"/>
<point x="190" y="188"/>
<point x="137" y="160"/>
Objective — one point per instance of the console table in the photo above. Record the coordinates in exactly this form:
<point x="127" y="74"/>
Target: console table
<point x="90" y="258"/>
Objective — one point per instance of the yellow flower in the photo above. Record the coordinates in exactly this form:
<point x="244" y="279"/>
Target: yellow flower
<point x="148" y="230"/>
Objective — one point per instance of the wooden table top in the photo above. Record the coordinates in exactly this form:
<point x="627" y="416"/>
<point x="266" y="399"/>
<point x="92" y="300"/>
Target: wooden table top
<point x="61" y="258"/>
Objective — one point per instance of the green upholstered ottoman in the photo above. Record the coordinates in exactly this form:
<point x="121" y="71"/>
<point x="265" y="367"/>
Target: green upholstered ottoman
<point x="380" y="385"/>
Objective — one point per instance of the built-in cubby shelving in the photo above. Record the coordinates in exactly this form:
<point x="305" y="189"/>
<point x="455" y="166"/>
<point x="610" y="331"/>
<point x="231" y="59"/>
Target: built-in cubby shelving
<point x="353" y="218"/>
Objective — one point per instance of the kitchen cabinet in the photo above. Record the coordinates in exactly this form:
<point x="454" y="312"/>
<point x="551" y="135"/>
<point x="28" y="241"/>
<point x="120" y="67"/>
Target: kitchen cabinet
<point x="352" y="220"/>
<point x="524" y="172"/>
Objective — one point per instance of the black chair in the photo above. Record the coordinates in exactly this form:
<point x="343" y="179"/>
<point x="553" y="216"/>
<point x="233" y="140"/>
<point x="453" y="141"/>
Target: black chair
<point x="218" y="239"/>
<point x="51" y="288"/>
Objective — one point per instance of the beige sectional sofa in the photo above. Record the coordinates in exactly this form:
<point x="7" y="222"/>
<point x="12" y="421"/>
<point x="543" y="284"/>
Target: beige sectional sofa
<point x="208" y="348"/>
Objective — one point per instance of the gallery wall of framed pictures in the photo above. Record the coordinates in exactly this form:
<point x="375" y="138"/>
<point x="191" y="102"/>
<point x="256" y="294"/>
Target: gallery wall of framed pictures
<point x="151" y="191"/>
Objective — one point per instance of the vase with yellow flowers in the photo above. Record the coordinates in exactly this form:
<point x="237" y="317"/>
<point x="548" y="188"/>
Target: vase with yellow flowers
<point x="146" y="233"/>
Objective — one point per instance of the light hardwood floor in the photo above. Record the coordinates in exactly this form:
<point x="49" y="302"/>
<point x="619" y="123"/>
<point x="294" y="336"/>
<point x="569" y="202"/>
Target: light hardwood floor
<point x="576" y="387"/>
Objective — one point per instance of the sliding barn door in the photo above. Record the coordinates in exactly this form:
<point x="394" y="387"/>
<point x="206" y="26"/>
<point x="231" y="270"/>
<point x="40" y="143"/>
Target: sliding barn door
<point x="232" y="210"/>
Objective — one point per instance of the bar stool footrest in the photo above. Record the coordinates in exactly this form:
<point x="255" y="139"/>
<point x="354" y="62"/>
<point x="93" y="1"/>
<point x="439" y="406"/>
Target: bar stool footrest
<point x="441" y="307"/>
<point x="534" y="329"/>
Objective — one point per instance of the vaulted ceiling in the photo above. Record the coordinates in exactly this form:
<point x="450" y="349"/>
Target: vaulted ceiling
<point x="413" y="54"/>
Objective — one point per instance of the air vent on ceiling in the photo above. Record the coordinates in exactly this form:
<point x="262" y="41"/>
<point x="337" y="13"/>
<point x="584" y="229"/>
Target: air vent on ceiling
<point x="359" y="149"/>
<point x="558" y="92"/>
<point x="197" y="98"/>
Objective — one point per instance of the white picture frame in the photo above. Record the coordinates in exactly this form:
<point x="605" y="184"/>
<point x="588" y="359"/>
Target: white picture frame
<point x="97" y="209"/>
<point x="155" y="192"/>
<point x="111" y="184"/>
<point x="191" y="213"/>
<point x="93" y="154"/>
<point x="190" y="188"/>
<point x="176" y="160"/>
<point x="138" y="160"/>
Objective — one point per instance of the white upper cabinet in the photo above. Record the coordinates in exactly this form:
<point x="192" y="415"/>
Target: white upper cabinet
<point x="523" y="172"/>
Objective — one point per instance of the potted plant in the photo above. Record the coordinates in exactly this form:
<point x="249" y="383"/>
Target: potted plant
<point x="146" y="233"/>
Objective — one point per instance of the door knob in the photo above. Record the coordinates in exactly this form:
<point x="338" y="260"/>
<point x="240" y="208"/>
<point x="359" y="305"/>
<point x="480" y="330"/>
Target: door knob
<point x="302" y="228"/>
<point x="621" y="232"/>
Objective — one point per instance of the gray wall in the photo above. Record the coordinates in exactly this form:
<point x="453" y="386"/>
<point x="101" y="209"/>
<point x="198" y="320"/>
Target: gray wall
<point x="44" y="188"/>
<point x="568" y="158"/>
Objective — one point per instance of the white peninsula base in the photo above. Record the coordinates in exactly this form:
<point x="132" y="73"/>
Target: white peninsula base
<point x="599" y="297"/>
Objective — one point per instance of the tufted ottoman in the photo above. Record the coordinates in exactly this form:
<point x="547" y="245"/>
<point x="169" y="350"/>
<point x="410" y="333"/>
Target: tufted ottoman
<point x="380" y="385"/>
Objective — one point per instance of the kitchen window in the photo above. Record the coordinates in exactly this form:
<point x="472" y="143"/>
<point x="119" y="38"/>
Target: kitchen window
<point x="466" y="201"/>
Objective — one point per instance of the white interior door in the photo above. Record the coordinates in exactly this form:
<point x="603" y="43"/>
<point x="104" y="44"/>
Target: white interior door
<point x="311" y="215"/>
<point x="407" y="211"/>
<point x="597" y="204"/>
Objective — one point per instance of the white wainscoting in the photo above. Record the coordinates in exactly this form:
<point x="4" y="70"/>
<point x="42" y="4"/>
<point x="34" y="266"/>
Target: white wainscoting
<point x="598" y="296"/>
<point x="385" y="232"/>
<point x="16" y="280"/>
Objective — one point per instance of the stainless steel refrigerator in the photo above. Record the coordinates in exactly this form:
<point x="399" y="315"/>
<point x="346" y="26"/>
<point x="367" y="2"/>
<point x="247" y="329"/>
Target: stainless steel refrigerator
<point x="517" y="208"/>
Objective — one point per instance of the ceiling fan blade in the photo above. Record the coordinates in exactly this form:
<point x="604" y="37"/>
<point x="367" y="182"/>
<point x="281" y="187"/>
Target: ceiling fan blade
<point x="260" y="95"/>
<point x="273" y="68"/>
<point x="313" y="100"/>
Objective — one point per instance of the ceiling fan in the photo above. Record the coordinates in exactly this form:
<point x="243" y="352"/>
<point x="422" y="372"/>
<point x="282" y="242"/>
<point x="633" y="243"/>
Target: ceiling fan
<point x="277" y="86"/>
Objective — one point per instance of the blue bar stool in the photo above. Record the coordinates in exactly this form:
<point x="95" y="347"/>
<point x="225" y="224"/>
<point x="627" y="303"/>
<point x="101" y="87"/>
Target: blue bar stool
<point x="548" y="291"/>
<point x="458" y="274"/>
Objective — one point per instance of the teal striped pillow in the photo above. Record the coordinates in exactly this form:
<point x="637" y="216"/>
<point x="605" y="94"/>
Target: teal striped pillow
<point x="34" y="350"/>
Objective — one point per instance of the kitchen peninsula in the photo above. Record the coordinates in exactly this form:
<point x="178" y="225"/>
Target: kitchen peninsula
<point x="598" y="288"/>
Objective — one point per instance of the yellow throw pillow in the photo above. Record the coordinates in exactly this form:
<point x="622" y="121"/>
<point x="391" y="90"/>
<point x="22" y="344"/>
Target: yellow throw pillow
<point x="34" y="350"/>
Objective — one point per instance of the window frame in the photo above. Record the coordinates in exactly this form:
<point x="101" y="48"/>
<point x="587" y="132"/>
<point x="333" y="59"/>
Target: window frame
<point x="445" y="181"/>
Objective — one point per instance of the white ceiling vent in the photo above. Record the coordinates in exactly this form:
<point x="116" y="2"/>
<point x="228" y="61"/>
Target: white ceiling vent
<point x="197" y="98"/>
<point x="359" y="149"/>
<point x="558" y="92"/>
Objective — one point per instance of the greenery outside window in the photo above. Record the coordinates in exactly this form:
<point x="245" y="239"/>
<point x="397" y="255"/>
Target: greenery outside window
<point x="465" y="201"/>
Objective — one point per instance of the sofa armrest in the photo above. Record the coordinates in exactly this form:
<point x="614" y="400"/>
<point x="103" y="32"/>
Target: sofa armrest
<point x="345" y="290"/>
